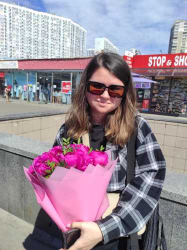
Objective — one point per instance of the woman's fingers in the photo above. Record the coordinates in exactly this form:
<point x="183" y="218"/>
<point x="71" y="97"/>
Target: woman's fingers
<point x="76" y="225"/>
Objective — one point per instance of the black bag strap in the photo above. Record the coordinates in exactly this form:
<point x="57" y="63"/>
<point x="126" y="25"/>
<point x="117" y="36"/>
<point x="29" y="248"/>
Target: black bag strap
<point x="131" y="152"/>
<point x="154" y="238"/>
<point x="161" y="241"/>
<point x="133" y="243"/>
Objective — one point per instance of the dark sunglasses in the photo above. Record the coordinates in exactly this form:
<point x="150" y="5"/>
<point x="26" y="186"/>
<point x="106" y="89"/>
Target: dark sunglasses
<point x="97" y="88"/>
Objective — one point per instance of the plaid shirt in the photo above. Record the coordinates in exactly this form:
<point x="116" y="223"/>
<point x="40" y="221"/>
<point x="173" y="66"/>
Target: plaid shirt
<point x="139" y="198"/>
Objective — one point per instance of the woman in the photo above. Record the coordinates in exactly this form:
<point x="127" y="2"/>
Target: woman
<point x="7" y="94"/>
<point x="104" y="105"/>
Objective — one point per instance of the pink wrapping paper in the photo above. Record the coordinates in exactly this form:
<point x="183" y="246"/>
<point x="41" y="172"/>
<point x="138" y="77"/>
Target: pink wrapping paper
<point x="71" y="195"/>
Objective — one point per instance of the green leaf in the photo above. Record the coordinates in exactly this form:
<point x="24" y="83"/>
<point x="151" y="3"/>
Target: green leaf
<point x="65" y="141"/>
<point x="48" y="171"/>
<point x="64" y="151"/>
<point x="79" y="141"/>
<point x="91" y="149"/>
<point x="62" y="164"/>
<point x="69" y="150"/>
<point x="47" y="176"/>
<point x="101" y="148"/>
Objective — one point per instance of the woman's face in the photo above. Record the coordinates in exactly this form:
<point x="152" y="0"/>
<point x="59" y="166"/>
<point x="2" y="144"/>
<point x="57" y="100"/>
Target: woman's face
<point x="103" y="104"/>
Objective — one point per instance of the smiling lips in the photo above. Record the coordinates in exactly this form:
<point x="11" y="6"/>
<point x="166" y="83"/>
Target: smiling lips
<point x="102" y="103"/>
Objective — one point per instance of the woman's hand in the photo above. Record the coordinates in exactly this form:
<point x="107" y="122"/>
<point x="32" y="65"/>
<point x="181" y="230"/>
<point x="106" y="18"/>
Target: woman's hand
<point x="90" y="235"/>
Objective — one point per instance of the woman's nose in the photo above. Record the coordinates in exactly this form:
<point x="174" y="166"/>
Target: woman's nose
<point x="105" y="94"/>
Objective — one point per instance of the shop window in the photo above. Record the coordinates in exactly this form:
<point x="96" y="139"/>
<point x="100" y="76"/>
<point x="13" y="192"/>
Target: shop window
<point x="170" y="96"/>
<point x="178" y="97"/>
<point x="160" y="95"/>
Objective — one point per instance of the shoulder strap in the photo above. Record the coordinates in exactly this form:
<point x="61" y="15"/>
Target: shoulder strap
<point x="86" y="140"/>
<point x="131" y="152"/>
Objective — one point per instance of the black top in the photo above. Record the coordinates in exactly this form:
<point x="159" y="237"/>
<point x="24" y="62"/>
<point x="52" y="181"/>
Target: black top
<point x="97" y="137"/>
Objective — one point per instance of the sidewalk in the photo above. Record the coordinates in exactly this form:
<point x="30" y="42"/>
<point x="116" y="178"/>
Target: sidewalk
<point x="17" y="106"/>
<point x="16" y="234"/>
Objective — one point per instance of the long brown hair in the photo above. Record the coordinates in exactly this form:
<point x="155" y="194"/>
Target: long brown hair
<point x="120" y="123"/>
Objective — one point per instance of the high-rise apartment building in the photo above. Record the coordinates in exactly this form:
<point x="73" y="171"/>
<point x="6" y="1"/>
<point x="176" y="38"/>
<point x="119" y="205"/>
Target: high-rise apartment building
<point x="26" y="33"/>
<point x="178" y="37"/>
<point x="90" y="52"/>
<point x="104" y="45"/>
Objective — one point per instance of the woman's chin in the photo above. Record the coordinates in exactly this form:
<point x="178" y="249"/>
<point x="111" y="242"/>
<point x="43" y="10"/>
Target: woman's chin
<point x="103" y="110"/>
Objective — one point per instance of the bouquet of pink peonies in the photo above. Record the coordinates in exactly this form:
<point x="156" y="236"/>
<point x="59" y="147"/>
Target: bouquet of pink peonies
<point x="70" y="182"/>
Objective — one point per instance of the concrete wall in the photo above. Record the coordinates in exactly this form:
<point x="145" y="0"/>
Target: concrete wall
<point x="42" y="128"/>
<point x="172" y="137"/>
<point x="170" y="133"/>
<point x="17" y="196"/>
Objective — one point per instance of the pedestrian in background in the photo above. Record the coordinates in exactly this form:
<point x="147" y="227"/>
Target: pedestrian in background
<point x="7" y="93"/>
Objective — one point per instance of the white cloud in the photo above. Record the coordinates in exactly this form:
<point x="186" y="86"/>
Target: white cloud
<point x="144" y="25"/>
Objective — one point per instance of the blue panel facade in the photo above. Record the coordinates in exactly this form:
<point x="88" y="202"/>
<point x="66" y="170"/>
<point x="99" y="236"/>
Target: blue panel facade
<point x="20" y="77"/>
<point x="18" y="81"/>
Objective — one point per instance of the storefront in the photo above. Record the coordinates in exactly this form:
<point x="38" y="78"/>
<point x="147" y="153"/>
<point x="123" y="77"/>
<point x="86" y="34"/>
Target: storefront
<point x="22" y="83"/>
<point x="143" y="96"/>
<point x="168" y="92"/>
<point x="37" y="80"/>
<point x="50" y="86"/>
<point x="43" y="80"/>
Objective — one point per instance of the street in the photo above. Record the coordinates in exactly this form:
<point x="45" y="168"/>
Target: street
<point x="18" y="107"/>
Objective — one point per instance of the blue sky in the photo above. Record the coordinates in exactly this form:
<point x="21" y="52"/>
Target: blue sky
<point x="141" y="24"/>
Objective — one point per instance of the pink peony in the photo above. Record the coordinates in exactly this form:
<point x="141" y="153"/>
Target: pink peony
<point x="56" y="150"/>
<point x="81" y="147"/>
<point x="84" y="161"/>
<point x="60" y="157"/>
<point x="71" y="159"/>
<point x="49" y="157"/>
<point x="40" y="163"/>
<point x="42" y="169"/>
<point x="88" y="159"/>
<point x="31" y="170"/>
<point x="99" y="157"/>
<point x="57" y="153"/>
<point x="80" y="158"/>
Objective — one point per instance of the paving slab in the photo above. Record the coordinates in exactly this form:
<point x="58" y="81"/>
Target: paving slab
<point x="17" y="234"/>
<point x="23" y="107"/>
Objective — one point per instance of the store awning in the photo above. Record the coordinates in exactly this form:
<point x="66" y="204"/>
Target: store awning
<point x="54" y="64"/>
<point x="142" y="80"/>
<point x="161" y="72"/>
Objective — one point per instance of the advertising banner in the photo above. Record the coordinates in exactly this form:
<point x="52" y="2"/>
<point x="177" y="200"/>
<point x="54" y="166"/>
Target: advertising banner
<point x="144" y="85"/>
<point x="129" y="60"/>
<point x="2" y="74"/>
<point x="66" y="87"/>
<point x="160" y="61"/>
<point x="8" y="65"/>
<point x="145" y="105"/>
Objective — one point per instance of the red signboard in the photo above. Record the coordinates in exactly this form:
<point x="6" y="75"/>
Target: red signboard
<point x="66" y="87"/>
<point x="2" y="74"/>
<point x="160" y="61"/>
<point x="145" y="105"/>
<point x="129" y="60"/>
